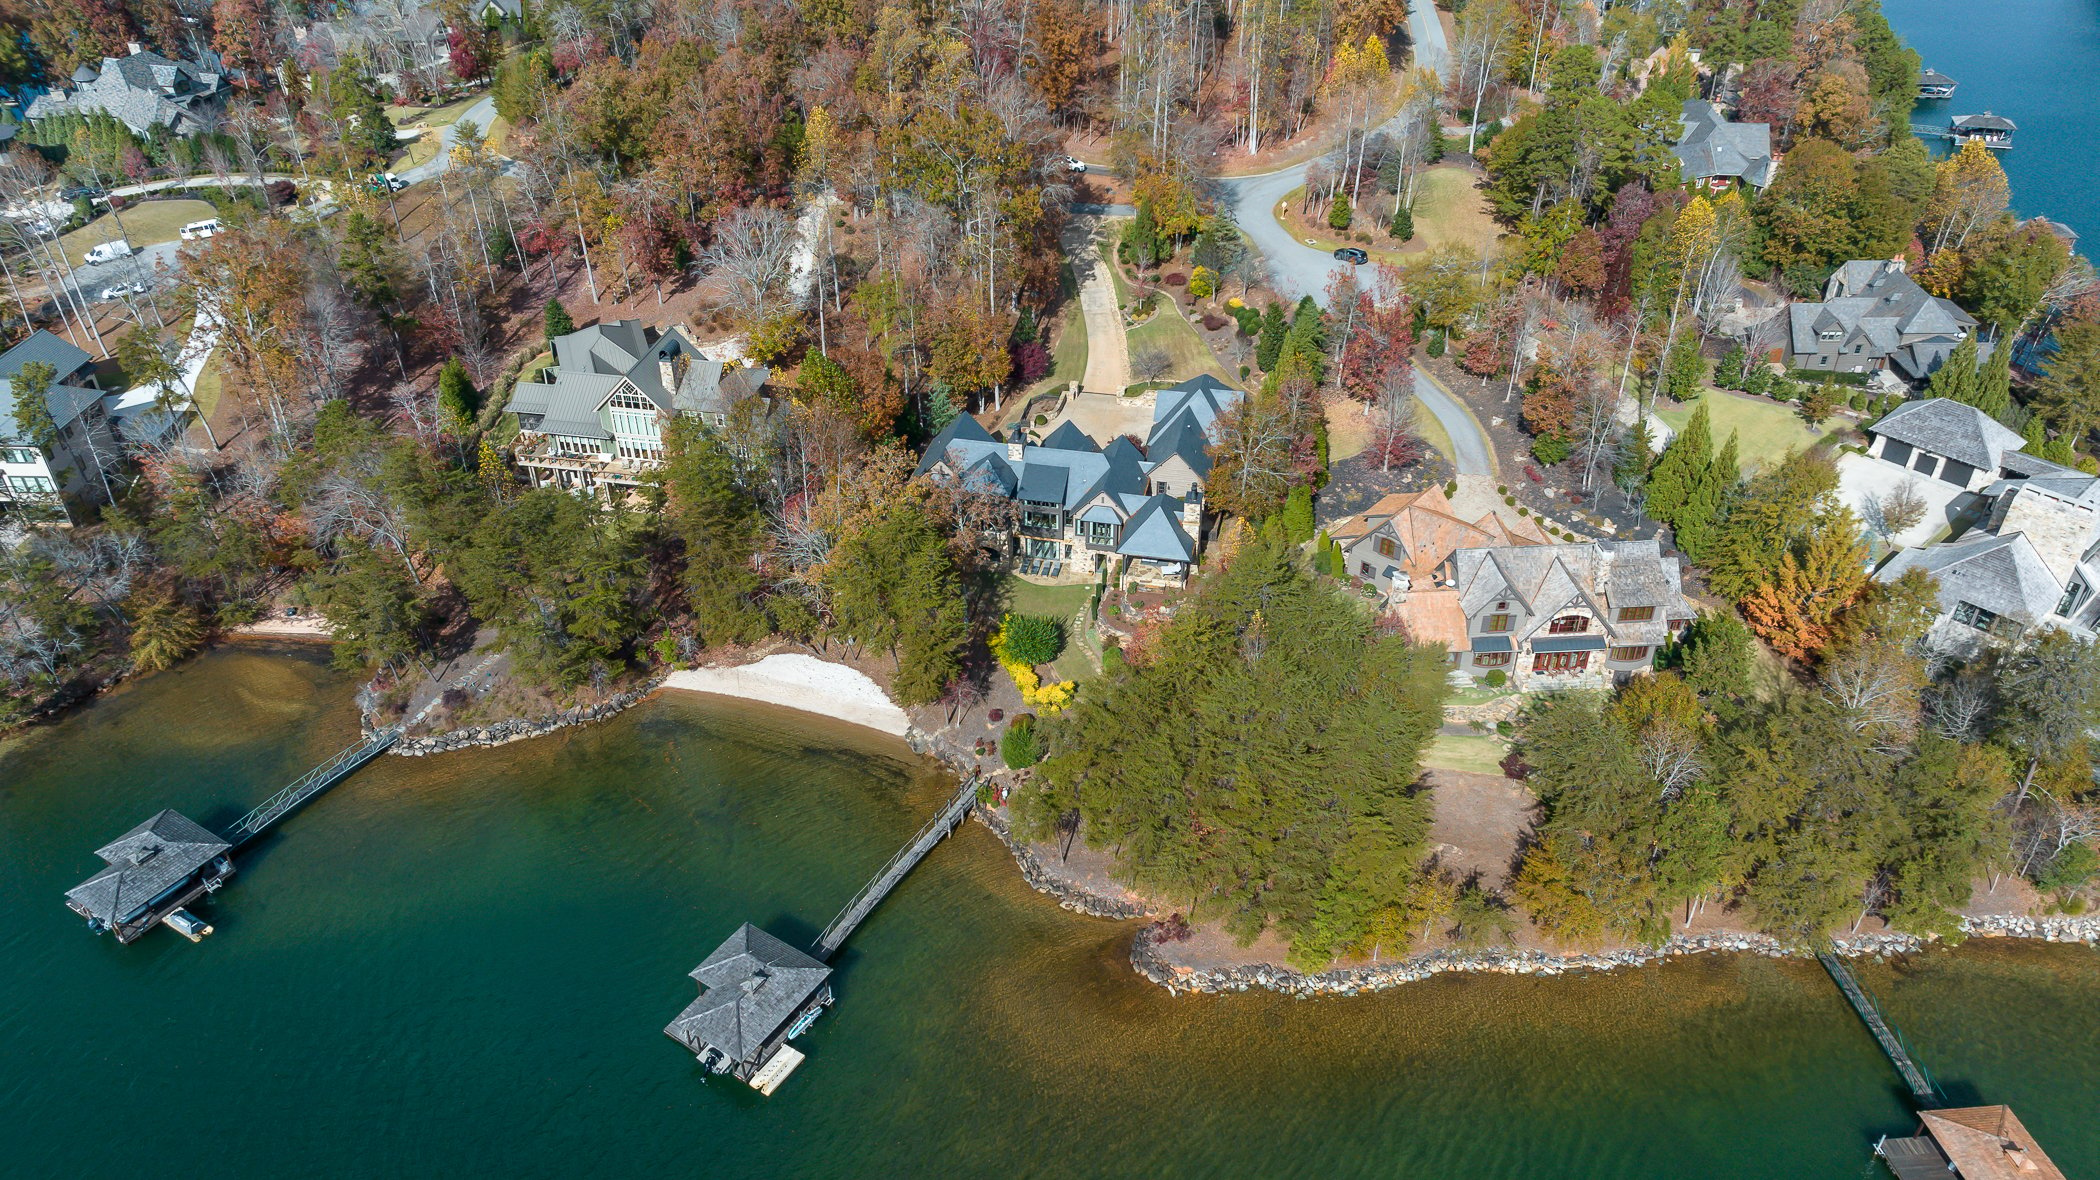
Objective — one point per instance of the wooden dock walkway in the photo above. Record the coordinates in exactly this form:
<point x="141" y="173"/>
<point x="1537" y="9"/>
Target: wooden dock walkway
<point x="1914" y="1075"/>
<point x="910" y="855"/>
<point x="307" y="785"/>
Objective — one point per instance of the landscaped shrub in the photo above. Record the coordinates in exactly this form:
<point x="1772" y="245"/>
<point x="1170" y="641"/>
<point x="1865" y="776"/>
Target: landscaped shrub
<point x="1858" y="401"/>
<point x="1510" y="501"/>
<point x="1502" y="489"/>
<point x="1522" y="511"/>
<point x="1212" y="321"/>
<point x="1248" y="319"/>
<point x="1019" y="747"/>
<point x="1042" y="419"/>
<point x="1436" y="345"/>
<point x="1032" y="362"/>
<point x="1339" y="213"/>
<point x="1243" y="372"/>
<point x="1176" y="279"/>
<point x="1450" y="488"/>
<point x="1496" y="678"/>
<point x="1033" y="639"/>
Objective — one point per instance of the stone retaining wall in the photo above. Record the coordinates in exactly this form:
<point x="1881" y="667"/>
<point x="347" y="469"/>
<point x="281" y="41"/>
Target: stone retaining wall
<point x="1040" y="879"/>
<point x="517" y="729"/>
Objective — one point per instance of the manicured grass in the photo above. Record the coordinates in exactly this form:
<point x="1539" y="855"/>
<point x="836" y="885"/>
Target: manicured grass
<point x="209" y="387"/>
<point x="1112" y="232"/>
<point x="1432" y="431"/>
<point x="1477" y="753"/>
<point x="1172" y="334"/>
<point x="1450" y="211"/>
<point x="1765" y="430"/>
<point x="1058" y="602"/>
<point x="147" y="223"/>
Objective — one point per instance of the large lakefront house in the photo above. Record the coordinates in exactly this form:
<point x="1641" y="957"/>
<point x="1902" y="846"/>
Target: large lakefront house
<point x="1715" y="152"/>
<point x="593" y="422"/>
<point x="1874" y="316"/>
<point x="2030" y="560"/>
<point x="1405" y="541"/>
<point x="34" y="481"/>
<point x="1084" y="506"/>
<point x="1552" y="616"/>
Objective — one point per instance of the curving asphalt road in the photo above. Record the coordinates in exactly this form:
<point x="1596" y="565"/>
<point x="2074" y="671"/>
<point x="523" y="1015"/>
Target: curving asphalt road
<point x="1296" y="269"/>
<point x="482" y="114"/>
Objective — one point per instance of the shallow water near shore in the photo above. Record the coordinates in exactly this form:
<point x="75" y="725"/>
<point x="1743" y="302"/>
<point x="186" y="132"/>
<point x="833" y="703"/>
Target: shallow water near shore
<point x="460" y="966"/>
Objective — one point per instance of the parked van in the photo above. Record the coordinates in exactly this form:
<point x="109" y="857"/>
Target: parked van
<point x="200" y="229"/>
<point x="109" y="252"/>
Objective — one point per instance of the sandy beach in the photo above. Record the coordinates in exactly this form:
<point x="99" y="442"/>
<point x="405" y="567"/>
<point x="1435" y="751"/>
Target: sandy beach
<point x="801" y="682"/>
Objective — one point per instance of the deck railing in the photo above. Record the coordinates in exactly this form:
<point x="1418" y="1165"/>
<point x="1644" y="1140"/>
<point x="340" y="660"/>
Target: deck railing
<point x="307" y="785"/>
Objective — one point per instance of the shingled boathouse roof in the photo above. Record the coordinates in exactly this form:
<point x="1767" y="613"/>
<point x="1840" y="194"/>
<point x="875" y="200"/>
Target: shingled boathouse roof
<point x="754" y="990"/>
<point x="152" y="869"/>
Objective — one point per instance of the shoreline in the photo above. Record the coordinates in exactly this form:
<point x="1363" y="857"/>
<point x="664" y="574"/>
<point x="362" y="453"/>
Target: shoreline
<point x="804" y="683"/>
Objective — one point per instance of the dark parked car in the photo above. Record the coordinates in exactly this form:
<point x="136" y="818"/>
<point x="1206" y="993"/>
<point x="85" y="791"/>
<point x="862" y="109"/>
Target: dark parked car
<point x="1352" y="256"/>
<point x="82" y="190"/>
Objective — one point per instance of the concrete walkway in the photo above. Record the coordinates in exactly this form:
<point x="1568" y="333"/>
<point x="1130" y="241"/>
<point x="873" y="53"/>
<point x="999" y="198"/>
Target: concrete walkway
<point x="1107" y="348"/>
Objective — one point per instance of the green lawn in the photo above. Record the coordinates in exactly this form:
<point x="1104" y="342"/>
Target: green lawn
<point x="1170" y="332"/>
<point x="1112" y="232"/>
<point x="147" y="223"/>
<point x="1058" y="602"/>
<point x="209" y="386"/>
<point x="1450" y="211"/>
<point x="1068" y="352"/>
<point x="1765" y="430"/>
<point x="1477" y="753"/>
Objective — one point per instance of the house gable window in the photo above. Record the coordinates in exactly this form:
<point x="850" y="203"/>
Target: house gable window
<point x="1621" y="655"/>
<point x="1554" y="662"/>
<point x="633" y="416"/>
<point x="1043" y="517"/>
<point x="19" y="455"/>
<point x="1970" y="615"/>
<point x="1099" y="533"/>
<point x="1497" y="624"/>
<point x="30" y="485"/>
<point x="1568" y="625"/>
<point x="1386" y="548"/>
<point x="1636" y="614"/>
<point x="2074" y="597"/>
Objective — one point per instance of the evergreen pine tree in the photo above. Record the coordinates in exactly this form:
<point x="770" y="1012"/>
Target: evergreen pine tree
<point x="2036" y="435"/>
<point x="457" y="399"/>
<point x="557" y="320"/>
<point x="1143" y="236"/>
<point x="1270" y="346"/>
<point x="1994" y="387"/>
<point x="1956" y="378"/>
<point x="1298" y="515"/>
<point x="1339" y="213"/>
<point x="1675" y="478"/>
<point x="1403" y="224"/>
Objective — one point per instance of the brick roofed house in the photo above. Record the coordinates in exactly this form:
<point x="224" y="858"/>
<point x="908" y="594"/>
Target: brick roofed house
<point x="1405" y="541"/>
<point x="1085" y="506"/>
<point x="1554" y="616"/>
<point x="1716" y="152"/>
<point x="594" y="421"/>
<point x="150" y="871"/>
<point x="1875" y="316"/>
<point x="1969" y="1143"/>
<point x="34" y="482"/>
<point x="756" y="992"/>
<point x="144" y="91"/>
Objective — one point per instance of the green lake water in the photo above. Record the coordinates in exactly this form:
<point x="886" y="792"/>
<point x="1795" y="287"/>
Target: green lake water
<point x="460" y="967"/>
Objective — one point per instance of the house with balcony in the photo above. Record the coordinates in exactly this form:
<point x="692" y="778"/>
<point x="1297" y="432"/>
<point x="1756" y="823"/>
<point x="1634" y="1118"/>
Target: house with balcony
<point x="1553" y="616"/>
<point x="1405" y="541"/>
<point x="593" y="422"/>
<point x="1874" y="317"/>
<point x="1135" y="510"/>
<point x="36" y="482"/>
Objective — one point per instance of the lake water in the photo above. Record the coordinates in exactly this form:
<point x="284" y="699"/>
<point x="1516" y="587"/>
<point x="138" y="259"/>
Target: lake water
<point x="2034" y="62"/>
<point x="460" y="966"/>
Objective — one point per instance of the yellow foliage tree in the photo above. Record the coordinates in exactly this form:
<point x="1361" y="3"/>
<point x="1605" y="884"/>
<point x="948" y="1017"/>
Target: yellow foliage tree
<point x="1797" y="612"/>
<point x="1969" y="190"/>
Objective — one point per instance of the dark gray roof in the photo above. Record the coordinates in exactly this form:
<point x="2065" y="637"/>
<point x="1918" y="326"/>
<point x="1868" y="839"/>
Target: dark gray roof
<point x="1493" y="643"/>
<point x="2002" y="574"/>
<point x="1984" y="122"/>
<point x="1552" y="643"/>
<point x="1154" y="532"/>
<point x="1947" y="427"/>
<point x="66" y="402"/>
<point x="592" y="363"/>
<point x="143" y="864"/>
<point x="1043" y="483"/>
<point x="1713" y="146"/>
<point x="64" y="358"/>
<point x="1068" y="437"/>
<point x="750" y="986"/>
<point x="1934" y="78"/>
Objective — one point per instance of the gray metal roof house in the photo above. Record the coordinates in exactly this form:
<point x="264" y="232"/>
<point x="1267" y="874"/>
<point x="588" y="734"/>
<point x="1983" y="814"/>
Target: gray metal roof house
<point x="1875" y="316"/>
<point x="151" y="871"/>
<point x="1716" y="151"/>
<point x="1084" y="504"/>
<point x="144" y="91"/>
<point x="755" y="992"/>
<point x="594" y="420"/>
<point x="34" y="480"/>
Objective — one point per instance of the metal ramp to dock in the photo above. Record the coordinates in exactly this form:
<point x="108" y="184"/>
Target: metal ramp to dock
<point x="1892" y="1043"/>
<point x="307" y="785"/>
<point x="875" y="890"/>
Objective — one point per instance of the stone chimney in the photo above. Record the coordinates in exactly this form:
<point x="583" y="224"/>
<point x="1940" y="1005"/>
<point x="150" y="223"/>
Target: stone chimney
<point x="1192" y="515"/>
<point x="134" y="48"/>
<point x="1014" y="443"/>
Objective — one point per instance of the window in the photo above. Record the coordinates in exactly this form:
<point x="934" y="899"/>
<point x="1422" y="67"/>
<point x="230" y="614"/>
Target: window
<point x="19" y="455"/>
<point x="1621" y="655"/>
<point x="1560" y="661"/>
<point x="1970" y="615"/>
<point x="2074" y="597"/>
<point x="1098" y="533"/>
<point x="1386" y="548"/>
<point x="1491" y="659"/>
<point x="1568" y="625"/>
<point x="1497" y="624"/>
<point x="1048" y="521"/>
<point x="1363" y="569"/>
<point x="1636" y="614"/>
<point x="30" y="484"/>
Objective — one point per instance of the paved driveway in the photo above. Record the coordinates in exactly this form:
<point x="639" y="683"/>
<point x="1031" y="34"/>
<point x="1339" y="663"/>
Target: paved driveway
<point x="1864" y="482"/>
<point x="1107" y="348"/>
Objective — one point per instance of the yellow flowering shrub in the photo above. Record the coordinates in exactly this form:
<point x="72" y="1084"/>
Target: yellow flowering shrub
<point x="1044" y="698"/>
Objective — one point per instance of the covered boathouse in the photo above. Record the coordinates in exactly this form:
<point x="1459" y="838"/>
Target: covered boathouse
<point x="1971" y="1142"/>
<point x="755" y="992"/>
<point x="152" y="871"/>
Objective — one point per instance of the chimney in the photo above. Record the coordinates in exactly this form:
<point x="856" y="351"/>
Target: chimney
<point x="1014" y="443"/>
<point x="134" y="48"/>
<point x="666" y="372"/>
<point x="1192" y="515"/>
